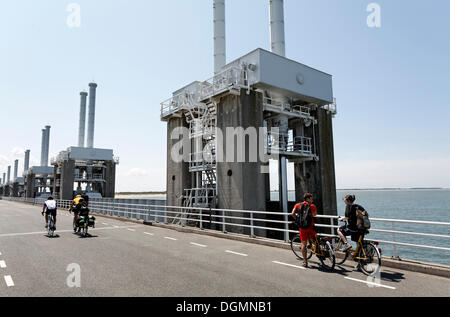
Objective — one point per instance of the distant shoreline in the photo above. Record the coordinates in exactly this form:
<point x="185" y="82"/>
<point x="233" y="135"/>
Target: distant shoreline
<point x="276" y="191"/>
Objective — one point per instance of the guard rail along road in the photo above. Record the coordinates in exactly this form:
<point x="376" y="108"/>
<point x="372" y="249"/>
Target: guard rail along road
<point x="256" y="226"/>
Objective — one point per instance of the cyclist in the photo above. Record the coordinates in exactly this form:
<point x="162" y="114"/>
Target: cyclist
<point x="351" y="229"/>
<point x="75" y="207"/>
<point x="49" y="208"/>
<point x="308" y="233"/>
<point x="85" y="197"/>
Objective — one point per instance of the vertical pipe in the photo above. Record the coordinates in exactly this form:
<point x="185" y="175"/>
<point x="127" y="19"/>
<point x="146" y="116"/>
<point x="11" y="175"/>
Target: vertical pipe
<point x="219" y="35"/>
<point x="277" y="41"/>
<point x="16" y="167"/>
<point x="47" y="145"/>
<point x="43" y="146"/>
<point x="282" y="184"/>
<point x="26" y="164"/>
<point x="91" y="115"/>
<point x="82" y="123"/>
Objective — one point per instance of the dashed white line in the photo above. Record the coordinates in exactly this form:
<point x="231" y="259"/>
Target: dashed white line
<point x="369" y="283"/>
<point x="169" y="238"/>
<point x="104" y="223"/>
<point x="9" y="281"/>
<point x="131" y="230"/>
<point x="232" y="252"/>
<point x="2" y="264"/>
<point x="199" y="245"/>
<point x="291" y="265"/>
<point x="148" y="233"/>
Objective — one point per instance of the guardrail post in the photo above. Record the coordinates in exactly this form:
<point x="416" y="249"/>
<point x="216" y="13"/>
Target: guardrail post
<point x="223" y="222"/>
<point x="252" y="230"/>
<point x="393" y="240"/>
<point x="201" y="219"/>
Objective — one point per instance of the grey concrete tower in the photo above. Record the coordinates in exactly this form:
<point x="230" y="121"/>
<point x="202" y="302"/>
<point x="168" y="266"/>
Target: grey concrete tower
<point x="91" y="115"/>
<point x="43" y="147"/>
<point x="26" y="164"/>
<point x="16" y="167"/>
<point x="47" y="145"/>
<point x="4" y="178"/>
<point x="9" y="174"/>
<point x="82" y="124"/>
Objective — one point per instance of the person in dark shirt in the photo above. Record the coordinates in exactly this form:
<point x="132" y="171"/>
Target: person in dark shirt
<point x="350" y="216"/>
<point x="85" y="197"/>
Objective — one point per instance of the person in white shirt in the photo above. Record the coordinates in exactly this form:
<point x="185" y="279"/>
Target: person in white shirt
<point x="49" y="207"/>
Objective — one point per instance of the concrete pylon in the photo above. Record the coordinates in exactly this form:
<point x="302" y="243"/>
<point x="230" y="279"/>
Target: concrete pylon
<point x="9" y="174"/>
<point x="219" y="35"/>
<point x="82" y="123"/>
<point x="16" y="168"/>
<point x="277" y="37"/>
<point x="26" y="164"/>
<point x="91" y="115"/>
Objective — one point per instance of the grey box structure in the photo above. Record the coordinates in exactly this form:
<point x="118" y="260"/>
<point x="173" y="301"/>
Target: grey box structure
<point x="290" y="102"/>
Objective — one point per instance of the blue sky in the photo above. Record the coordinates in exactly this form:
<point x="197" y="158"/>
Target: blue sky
<point x="391" y="83"/>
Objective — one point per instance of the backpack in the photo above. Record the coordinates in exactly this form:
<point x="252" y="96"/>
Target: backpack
<point x="305" y="218"/>
<point x="363" y="221"/>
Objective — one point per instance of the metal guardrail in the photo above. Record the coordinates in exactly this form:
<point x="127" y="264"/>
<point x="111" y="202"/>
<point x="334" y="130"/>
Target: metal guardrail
<point x="241" y="219"/>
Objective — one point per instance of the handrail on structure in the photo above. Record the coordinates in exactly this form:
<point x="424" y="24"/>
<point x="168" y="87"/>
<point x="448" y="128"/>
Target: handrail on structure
<point x="152" y="212"/>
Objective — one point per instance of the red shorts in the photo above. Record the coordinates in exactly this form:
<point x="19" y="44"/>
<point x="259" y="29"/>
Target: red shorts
<point x="306" y="234"/>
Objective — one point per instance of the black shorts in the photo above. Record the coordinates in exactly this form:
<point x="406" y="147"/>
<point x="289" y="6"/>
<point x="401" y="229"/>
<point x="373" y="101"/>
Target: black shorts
<point x="350" y="232"/>
<point x="51" y="212"/>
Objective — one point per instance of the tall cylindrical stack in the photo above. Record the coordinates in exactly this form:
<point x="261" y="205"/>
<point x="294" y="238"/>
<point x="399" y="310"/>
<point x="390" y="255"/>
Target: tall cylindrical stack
<point x="9" y="175"/>
<point x="219" y="35"/>
<point x="46" y="146"/>
<point x="16" y="168"/>
<point x="4" y="178"/>
<point x="82" y="123"/>
<point x="26" y="164"/>
<point x="43" y="146"/>
<point x="91" y="116"/>
<point x="277" y="40"/>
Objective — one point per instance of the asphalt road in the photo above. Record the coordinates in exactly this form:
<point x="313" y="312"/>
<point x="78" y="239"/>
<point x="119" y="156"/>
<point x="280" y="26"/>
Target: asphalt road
<point x="128" y="259"/>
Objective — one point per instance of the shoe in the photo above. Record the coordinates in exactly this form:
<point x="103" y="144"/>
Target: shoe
<point x="346" y="247"/>
<point x="46" y="225"/>
<point x="305" y="264"/>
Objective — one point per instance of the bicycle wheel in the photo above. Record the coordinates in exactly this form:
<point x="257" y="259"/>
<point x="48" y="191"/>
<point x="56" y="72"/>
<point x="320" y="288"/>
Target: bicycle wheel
<point x="328" y="260"/>
<point x="341" y="256"/>
<point x="296" y="247"/>
<point x="51" y="225"/>
<point x="370" y="262"/>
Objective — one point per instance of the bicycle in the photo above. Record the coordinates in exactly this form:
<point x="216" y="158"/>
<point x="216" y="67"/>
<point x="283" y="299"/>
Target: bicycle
<point x="321" y="247"/>
<point x="83" y="223"/>
<point x="366" y="254"/>
<point x="51" y="225"/>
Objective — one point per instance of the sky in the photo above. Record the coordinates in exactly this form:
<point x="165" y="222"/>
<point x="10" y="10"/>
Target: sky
<point x="391" y="83"/>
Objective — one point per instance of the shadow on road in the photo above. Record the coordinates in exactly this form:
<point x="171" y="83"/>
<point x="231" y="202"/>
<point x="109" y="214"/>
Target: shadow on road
<point x="53" y="237"/>
<point x="88" y="236"/>
<point x="392" y="276"/>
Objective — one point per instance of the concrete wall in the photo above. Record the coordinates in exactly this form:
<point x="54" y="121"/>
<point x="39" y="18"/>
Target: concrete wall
<point x="178" y="177"/>
<point x="318" y="178"/>
<point x="245" y="188"/>
<point x="67" y="179"/>
<point x="110" y="177"/>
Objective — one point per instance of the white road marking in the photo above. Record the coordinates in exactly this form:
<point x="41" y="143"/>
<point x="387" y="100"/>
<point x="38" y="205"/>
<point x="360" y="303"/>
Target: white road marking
<point x="2" y="264"/>
<point x="291" y="265"/>
<point x="199" y="245"/>
<point x="369" y="283"/>
<point x="232" y="252"/>
<point x="169" y="238"/>
<point x="131" y="230"/>
<point x="150" y="234"/>
<point x="60" y="231"/>
<point x="9" y="280"/>
<point x="104" y="223"/>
